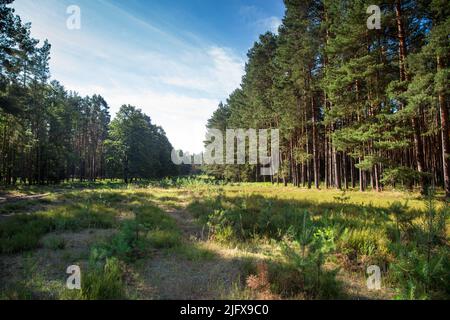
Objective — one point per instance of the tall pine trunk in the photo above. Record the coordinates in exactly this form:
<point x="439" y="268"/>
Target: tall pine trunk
<point x="316" y="166"/>
<point x="418" y="147"/>
<point x="445" y="135"/>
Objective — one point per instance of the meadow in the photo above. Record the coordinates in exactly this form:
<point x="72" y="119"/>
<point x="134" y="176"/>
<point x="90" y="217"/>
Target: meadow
<point x="196" y="238"/>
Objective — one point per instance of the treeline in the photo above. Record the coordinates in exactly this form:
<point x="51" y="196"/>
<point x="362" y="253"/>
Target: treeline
<point x="49" y="134"/>
<point x="355" y="107"/>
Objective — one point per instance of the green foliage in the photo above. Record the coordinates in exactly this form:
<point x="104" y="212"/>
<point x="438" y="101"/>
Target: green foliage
<point x="20" y="291"/>
<point x="422" y="277"/>
<point x="54" y="242"/>
<point x="126" y="245"/>
<point x="20" y="206"/>
<point x="150" y="228"/>
<point x="23" y="232"/>
<point x="395" y="238"/>
<point x="136" y="148"/>
<point x="400" y="175"/>
<point x="163" y="239"/>
<point x="104" y="282"/>
<point x="363" y="243"/>
<point x="194" y="252"/>
<point x="187" y="182"/>
<point x="152" y="217"/>
<point x="308" y="258"/>
<point x="404" y="225"/>
<point x="220" y="224"/>
<point x="422" y="265"/>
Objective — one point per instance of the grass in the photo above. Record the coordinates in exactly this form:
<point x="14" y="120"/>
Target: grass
<point x="364" y="232"/>
<point x="198" y="252"/>
<point x="286" y="243"/>
<point x="20" y="206"/>
<point x="23" y="232"/>
<point x="54" y="242"/>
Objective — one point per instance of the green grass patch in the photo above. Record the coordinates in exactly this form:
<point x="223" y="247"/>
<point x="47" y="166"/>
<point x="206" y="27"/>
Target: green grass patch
<point x="54" y="242"/>
<point x="23" y="232"/>
<point x="163" y="239"/>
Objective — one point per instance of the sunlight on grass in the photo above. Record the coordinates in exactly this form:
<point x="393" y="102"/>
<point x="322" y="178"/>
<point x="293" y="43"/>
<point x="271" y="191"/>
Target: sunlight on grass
<point x="248" y="226"/>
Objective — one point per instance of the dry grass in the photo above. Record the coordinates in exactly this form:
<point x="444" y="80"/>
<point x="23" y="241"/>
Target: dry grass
<point x="196" y="267"/>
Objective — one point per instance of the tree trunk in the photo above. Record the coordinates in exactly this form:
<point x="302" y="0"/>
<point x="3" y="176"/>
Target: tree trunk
<point x="445" y="136"/>
<point x="316" y="165"/>
<point x="418" y="148"/>
<point x="337" y="170"/>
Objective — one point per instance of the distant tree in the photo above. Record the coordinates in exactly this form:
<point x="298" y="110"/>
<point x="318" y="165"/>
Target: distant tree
<point x="136" y="148"/>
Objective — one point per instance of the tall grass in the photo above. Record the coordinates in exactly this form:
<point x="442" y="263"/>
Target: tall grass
<point x="410" y="245"/>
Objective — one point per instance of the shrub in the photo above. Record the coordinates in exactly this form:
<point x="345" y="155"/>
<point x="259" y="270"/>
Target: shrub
<point x="306" y="256"/>
<point x="125" y="245"/>
<point x="259" y="283"/>
<point x="222" y="226"/>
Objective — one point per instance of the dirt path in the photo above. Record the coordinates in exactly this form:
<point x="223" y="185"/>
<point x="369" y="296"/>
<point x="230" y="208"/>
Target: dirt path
<point x="187" y="224"/>
<point x="11" y="199"/>
<point x="196" y="271"/>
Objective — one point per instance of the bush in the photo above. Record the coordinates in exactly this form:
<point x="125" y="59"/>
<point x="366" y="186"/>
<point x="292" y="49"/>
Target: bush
<point x="223" y="226"/>
<point x="126" y="245"/>
<point x="306" y="257"/>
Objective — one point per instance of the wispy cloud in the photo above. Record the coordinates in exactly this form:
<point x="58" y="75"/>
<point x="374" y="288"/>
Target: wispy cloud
<point x="271" y="23"/>
<point x="258" y="19"/>
<point x="219" y="73"/>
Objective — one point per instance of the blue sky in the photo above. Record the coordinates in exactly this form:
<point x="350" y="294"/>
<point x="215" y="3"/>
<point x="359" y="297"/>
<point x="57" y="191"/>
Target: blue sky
<point x="174" y="59"/>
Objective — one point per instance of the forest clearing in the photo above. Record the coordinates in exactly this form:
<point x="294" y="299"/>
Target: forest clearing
<point x="194" y="239"/>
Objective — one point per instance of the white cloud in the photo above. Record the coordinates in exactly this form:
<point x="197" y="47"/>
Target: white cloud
<point x="220" y="72"/>
<point x="257" y="19"/>
<point x="272" y="24"/>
